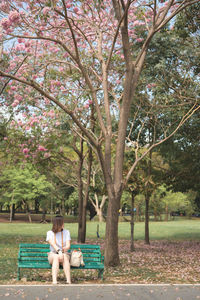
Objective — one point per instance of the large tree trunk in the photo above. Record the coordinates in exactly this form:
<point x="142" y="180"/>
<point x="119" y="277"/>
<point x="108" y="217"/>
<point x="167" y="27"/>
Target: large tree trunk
<point x="111" y="245"/>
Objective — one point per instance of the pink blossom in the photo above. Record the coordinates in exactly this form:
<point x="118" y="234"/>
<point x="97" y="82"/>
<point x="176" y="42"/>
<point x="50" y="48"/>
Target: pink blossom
<point x="14" y="16"/>
<point x="90" y="101"/>
<point x="139" y="40"/>
<point x="20" y="47"/>
<point x="20" y="123"/>
<point x="46" y="10"/>
<point x="138" y="23"/>
<point x="46" y="155"/>
<point x="150" y="85"/>
<point x="3" y="6"/>
<point x="61" y="69"/>
<point x="25" y="150"/>
<point x="13" y="88"/>
<point x="18" y="98"/>
<point x="76" y="10"/>
<point x="5" y="23"/>
<point x="20" y="40"/>
<point x="15" y="103"/>
<point x="9" y="30"/>
<point x="5" y="138"/>
<point x="51" y="114"/>
<point x="12" y="66"/>
<point x="27" y="44"/>
<point x="57" y="83"/>
<point x="41" y="148"/>
<point x="68" y="5"/>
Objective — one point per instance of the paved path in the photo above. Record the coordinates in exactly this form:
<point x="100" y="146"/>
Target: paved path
<point x="100" y="292"/>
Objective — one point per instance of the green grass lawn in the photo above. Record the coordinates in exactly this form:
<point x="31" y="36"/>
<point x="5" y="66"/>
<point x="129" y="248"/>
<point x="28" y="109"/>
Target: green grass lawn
<point x="182" y="229"/>
<point x="14" y="233"/>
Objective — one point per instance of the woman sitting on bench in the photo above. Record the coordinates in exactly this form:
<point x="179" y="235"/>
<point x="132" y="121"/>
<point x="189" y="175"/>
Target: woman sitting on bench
<point x="59" y="240"/>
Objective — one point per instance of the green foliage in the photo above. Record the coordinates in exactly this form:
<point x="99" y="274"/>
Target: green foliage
<point x="72" y="201"/>
<point x="23" y="183"/>
<point x="173" y="201"/>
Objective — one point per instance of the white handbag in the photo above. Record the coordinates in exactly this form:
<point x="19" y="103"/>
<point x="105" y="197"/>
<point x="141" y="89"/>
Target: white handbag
<point x="76" y="259"/>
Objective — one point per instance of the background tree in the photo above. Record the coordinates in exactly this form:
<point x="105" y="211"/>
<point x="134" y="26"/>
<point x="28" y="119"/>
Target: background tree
<point x="23" y="184"/>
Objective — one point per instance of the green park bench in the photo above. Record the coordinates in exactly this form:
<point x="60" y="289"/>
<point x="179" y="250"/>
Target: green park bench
<point x="34" y="256"/>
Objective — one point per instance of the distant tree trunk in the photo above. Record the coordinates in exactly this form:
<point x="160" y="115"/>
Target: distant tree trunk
<point x="99" y="208"/>
<point x="29" y="214"/>
<point x="12" y="212"/>
<point x="91" y="209"/>
<point x="63" y="206"/>
<point x="43" y="219"/>
<point x="147" y="197"/>
<point x="27" y="211"/>
<point x="85" y="199"/>
<point x="37" y="205"/>
<point x="166" y="213"/>
<point x="132" y="220"/>
<point x="100" y="214"/>
<point x="80" y="196"/>
<point x="147" y="218"/>
<point x="155" y="215"/>
<point x="138" y="214"/>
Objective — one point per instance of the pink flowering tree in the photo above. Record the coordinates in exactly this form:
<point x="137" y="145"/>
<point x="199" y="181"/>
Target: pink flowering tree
<point x="79" y="56"/>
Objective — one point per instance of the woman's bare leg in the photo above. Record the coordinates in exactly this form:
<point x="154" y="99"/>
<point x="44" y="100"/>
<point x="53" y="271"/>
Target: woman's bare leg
<point x="66" y="267"/>
<point x="54" y="261"/>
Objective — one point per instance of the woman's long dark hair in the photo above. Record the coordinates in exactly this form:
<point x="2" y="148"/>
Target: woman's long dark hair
<point x="58" y="222"/>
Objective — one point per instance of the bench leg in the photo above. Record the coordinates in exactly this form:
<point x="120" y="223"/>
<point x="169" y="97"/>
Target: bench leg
<point x="18" y="274"/>
<point x="100" y="274"/>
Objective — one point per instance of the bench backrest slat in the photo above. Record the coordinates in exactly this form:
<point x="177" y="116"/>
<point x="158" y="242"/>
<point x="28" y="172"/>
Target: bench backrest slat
<point x="38" y="252"/>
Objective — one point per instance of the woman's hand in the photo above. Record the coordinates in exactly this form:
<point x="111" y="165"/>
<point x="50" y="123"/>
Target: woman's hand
<point x="65" y="249"/>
